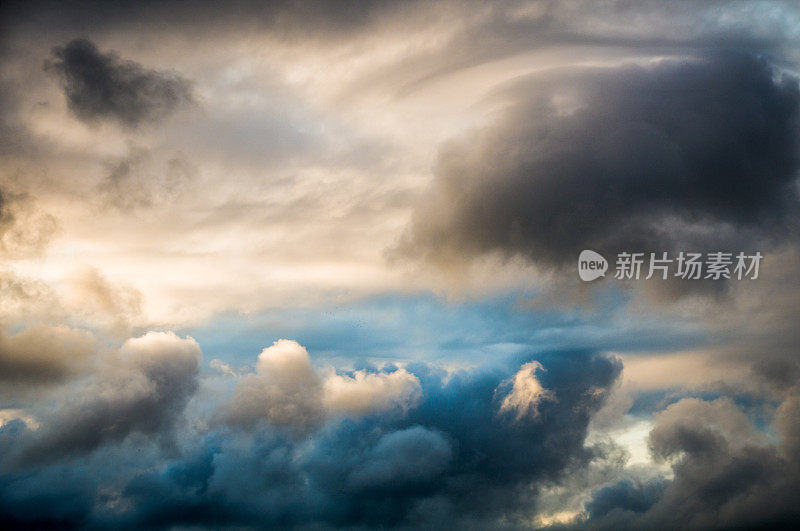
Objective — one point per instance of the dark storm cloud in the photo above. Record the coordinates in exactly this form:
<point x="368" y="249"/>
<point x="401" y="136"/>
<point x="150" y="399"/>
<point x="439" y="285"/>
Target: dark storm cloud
<point x="103" y="86"/>
<point x="725" y="478"/>
<point x="452" y="459"/>
<point x="695" y="154"/>
<point x="145" y="391"/>
<point x="625" y="495"/>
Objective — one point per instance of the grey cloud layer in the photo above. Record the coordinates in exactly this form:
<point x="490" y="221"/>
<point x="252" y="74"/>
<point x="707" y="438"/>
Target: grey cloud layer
<point x="485" y="31"/>
<point x="672" y="155"/>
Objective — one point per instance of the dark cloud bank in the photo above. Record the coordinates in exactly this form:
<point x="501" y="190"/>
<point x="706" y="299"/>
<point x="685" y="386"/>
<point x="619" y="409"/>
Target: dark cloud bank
<point x="689" y="155"/>
<point x="472" y="453"/>
<point x="454" y="458"/>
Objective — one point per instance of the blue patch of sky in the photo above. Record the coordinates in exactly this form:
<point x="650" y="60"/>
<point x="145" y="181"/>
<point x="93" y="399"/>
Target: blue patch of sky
<point x="396" y="327"/>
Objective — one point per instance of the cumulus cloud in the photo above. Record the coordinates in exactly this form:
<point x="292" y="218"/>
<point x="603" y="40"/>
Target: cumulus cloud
<point x="365" y="392"/>
<point x="699" y="427"/>
<point x="692" y="154"/>
<point x="408" y="456"/>
<point x="625" y="495"/>
<point x="103" y="86"/>
<point x="727" y="473"/>
<point x="449" y="459"/>
<point x="286" y="390"/>
<point x="143" y="389"/>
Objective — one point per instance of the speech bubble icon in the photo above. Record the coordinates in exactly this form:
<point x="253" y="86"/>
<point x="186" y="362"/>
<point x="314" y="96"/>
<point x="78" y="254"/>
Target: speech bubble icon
<point x="591" y="265"/>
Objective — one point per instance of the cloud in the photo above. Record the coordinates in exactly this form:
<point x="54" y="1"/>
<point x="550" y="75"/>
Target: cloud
<point x="698" y="151"/>
<point x="408" y="456"/>
<point x="287" y="391"/>
<point x="136" y="180"/>
<point x="8" y="415"/>
<point x="25" y="230"/>
<point x="727" y="474"/>
<point x="526" y="393"/>
<point x="699" y="427"/>
<point x="22" y="498"/>
<point x="328" y="20"/>
<point x="144" y="389"/>
<point x="284" y="391"/>
<point x="41" y="354"/>
<point x="450" y="458"/>
<point x="103" y="86"/>
<point x="90" y="295"/>
<point x="694" y="154"/>
<point x="464" y="33"/>
<point x="366" y="392"/>
<point x="625" y="495"/>
<point x="6" y="218"/>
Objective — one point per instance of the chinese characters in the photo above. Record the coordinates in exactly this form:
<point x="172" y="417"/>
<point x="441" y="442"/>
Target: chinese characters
<point x="689" y="266"/>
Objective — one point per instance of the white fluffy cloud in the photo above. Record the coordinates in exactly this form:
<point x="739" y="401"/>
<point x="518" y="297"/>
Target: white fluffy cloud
<point x="286" y="390"/>
<point x="366" y="392"/>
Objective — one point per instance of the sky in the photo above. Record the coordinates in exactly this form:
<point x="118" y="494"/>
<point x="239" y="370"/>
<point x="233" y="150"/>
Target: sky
<point x="314" y="265"/>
